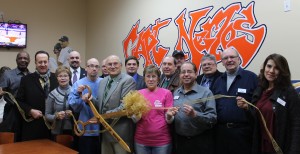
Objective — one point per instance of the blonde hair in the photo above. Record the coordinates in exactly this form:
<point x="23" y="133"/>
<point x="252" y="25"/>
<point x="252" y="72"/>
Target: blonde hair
<point x="61" y="69"/>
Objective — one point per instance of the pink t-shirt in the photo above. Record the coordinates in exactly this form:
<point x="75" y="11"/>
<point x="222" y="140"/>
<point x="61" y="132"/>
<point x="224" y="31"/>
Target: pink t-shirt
<point x="152" y="129"/>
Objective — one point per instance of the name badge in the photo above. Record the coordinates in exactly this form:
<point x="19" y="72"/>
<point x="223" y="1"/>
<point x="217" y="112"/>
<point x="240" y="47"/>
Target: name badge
<point x="280" y="101"/>
<point x="176" y="97"/>
<point x="241" y="90"/>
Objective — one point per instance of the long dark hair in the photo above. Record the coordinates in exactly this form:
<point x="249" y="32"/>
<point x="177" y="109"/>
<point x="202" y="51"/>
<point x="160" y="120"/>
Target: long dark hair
<point x="284" y="77"/>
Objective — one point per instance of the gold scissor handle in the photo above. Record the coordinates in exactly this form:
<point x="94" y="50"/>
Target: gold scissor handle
<point x="104" y="123"/>
<point x="77" y="130"/>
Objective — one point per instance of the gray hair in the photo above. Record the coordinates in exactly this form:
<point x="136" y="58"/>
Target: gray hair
<point x="210" y="57"/>
<point x="233" y="49"/>
<point x="113" y="56"/>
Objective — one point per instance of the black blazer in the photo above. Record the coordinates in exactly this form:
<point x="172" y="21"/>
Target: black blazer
<point x="32" y="96"/>
<point x="287" y="121"/>
<point x="82" y="75"/>
<point x="214" y="77"/>
<point x="140" y="82"/>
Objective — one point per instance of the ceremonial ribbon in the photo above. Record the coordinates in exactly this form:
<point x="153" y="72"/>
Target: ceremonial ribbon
<point x="100" y="118"/>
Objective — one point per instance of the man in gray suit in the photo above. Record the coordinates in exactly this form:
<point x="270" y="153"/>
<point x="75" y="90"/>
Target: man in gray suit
<point x="114" y="88"/>
<point x="132" y="66"/>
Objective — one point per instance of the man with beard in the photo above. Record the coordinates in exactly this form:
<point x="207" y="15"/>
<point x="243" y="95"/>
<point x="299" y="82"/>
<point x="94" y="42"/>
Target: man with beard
<point x="77" y="71"/>
<point x="33" y="91"/>
<point x="170" y="77"/>
<point x="210" y="71"/>
<point x="10" y="82"/>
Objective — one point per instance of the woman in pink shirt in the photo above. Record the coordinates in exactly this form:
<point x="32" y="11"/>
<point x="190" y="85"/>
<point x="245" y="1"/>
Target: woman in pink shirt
<point x="152" y="135"/>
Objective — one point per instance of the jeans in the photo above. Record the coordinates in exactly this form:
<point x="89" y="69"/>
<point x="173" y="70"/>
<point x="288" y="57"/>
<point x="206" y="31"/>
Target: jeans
<point x="143" y="149"/>
<point x="112" y="148"/>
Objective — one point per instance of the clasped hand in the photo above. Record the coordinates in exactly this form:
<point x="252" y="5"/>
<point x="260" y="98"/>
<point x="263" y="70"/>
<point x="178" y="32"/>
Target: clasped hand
<point x="84" y="97"/>
<point x="187" y="109"/>
<point x="62" y="114"/>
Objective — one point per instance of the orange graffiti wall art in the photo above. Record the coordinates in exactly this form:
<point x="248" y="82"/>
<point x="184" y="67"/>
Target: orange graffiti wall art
<point x="146" y="43"/>
<point x="234" y="25"/>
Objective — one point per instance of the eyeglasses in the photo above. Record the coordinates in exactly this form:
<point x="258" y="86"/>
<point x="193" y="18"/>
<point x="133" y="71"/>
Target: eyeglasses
<point x="187" y="71"/>
<point x="227" y="57"/>
<point x="93" y="66"/>
<point x="63" y="76"/>
<point x="207" y="64"/>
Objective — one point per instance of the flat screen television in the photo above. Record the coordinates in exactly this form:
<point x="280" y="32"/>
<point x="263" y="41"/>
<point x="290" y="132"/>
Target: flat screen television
<point x="13" y="35"/>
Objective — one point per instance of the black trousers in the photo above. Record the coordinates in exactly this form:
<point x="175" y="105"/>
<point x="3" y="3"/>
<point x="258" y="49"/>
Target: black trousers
<point x="199" y="144"/>
<point x="233" y="140"/>
<point x="89" y="145"/>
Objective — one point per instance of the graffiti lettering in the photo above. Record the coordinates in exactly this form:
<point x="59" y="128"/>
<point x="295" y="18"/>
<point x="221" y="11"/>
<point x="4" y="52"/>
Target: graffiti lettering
<point x="234" y="26"/>
<point x="145" y="43"/>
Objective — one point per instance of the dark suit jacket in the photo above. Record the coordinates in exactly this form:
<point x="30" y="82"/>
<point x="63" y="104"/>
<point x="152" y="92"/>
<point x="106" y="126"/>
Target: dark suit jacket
<point x="32" y="96"/>
<point x="122" y="84"/>
<point x="102" y="76"/>
<point x="82" y="75"/>
<point x="140" y="82"/>
<point x="214" y="78"/>
<point x="174" y="82"/>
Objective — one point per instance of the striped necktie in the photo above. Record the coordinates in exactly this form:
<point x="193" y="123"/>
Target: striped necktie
<point x="74" y="76"/>
<point x="46" y="84"/>
<point x="107" y="88"/>
<point x="166" y="83"/>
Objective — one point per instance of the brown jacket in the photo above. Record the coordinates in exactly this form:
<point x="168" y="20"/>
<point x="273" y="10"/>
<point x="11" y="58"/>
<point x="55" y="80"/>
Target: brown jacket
<point x="174" y="82"/>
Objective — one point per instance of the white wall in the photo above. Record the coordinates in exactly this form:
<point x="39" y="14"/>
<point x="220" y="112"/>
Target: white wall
<point x="96" y="28"/>
<point x="47" y="21"/>
<point x="109" y="23"/>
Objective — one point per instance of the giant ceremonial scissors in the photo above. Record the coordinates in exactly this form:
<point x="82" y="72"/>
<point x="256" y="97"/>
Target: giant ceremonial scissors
<point x="101" y="120"/>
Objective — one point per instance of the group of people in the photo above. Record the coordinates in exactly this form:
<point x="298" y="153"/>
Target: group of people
<point x="190" y="113"/>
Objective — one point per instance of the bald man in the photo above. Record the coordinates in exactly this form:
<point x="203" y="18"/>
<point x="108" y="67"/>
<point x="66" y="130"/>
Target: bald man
<point x="115" y="87"/>
<point x="78" y="72"/>
<point x="89" y="142"/>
